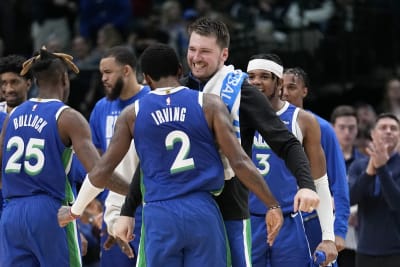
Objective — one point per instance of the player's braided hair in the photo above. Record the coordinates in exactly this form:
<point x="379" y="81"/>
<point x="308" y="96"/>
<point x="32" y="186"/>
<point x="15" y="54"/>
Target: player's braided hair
<point x="44" y="54"/>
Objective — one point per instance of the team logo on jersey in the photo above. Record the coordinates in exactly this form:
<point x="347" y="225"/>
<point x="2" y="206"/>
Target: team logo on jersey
<point x="168" y="101"/>
<point x="34" y="107"/>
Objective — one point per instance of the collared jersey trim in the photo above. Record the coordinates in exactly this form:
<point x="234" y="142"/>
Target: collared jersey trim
<point x="44" y="100"/>
<point x="167" y="90"/>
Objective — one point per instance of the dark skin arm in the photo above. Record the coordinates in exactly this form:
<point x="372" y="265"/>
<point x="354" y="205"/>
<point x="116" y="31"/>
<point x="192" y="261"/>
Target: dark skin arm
<point x="219" y="121"/>
<point x="312" y="146"/>
<point x="104" y="167"/>
<point x="75" y="131"/>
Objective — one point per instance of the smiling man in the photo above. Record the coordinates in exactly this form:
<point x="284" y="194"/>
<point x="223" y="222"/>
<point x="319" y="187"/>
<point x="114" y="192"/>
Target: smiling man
<point x="14" y="87"/>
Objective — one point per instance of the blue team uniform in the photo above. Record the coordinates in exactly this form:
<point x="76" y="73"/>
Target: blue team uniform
<point x="181" y="167"/>
<point x="291" y="246"/>
<point x="337" y="177"/>
<point x="35" y="184"/>
<point x="102" y="121"/>
<point x="3" y="116"/>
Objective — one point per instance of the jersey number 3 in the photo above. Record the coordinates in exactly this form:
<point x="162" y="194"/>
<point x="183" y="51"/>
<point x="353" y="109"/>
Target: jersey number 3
<point x="34" y="150"/>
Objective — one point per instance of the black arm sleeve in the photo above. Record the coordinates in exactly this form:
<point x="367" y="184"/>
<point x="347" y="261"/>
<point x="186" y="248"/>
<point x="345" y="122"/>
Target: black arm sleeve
<point x="256" y="113"/>
<point x="134" y="197"/>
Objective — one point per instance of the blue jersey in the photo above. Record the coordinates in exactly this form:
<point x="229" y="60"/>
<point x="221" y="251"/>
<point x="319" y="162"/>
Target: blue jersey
<point x="102" y="121"/>
<point x="35" y="160"/>
<point x="175" y="146"/>
<point x="3" y="116"/>
<point x="104" y="116"/>
<point x="278" y="177"/>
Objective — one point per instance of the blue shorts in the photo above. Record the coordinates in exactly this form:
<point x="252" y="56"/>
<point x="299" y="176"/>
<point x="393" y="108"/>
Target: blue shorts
<point x="30" y="234"/>
<point x="289" y="249"/>
<point x="114" y="256"/>
<point x="239" y="236"/>
<point x="313" y="231"/>
<point x="186" y="231"/>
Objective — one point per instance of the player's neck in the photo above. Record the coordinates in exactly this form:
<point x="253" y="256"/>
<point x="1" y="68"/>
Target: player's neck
<point x="167" y="82"/>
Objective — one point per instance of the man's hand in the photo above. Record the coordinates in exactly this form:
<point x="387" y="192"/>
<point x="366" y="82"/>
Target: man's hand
<point x="65" y="216"/>
<point x="329" y="248"/>
<point x="274" y="221"/>
<point x="123" y="228"/>
<point x="339" y="242"/>
<point x="124" y="246"/>
<point x="305" y="200"/>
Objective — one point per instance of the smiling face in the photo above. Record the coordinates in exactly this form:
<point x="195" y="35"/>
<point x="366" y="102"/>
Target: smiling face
<point x="14" y="88"/>
<point x="388" y="131"/>
<point x="264" y="80"/>
<point x="205" y="57"/>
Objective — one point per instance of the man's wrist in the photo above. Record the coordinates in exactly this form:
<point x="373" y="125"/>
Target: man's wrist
<point x="72" y="215"/>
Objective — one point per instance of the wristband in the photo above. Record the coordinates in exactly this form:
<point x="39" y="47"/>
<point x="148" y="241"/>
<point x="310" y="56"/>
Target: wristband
<point x="274" y="207"/>
<point x="73" y="216"/>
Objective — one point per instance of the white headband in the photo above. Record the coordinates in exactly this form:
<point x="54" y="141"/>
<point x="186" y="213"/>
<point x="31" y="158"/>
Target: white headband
<point x="265" y="64"/>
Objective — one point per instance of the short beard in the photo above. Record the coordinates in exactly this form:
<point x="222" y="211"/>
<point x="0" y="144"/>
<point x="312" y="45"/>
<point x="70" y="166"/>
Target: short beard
<point x="116" y="90"/>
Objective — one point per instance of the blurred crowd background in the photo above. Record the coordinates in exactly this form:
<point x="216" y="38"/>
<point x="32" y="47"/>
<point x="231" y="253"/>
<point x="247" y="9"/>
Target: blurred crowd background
<point x="349" y="48"/>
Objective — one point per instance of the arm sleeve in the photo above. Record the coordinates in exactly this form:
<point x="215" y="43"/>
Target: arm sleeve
<point x="337" y="178"/>
<point x="390" y="189"/>
<point x="325" y="209"/>
<point x="256" y="113"/>
<point x="134" y="198"/>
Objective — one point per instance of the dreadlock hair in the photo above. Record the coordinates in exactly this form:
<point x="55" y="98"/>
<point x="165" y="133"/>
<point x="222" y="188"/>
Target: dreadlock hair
<point x="48" y="66"/>
<point x="300" y="73"/>
<point x="270" y="56"/>
<point x="13" y="63"/>
<point x="123" y="55"/>
<point x="159" y="60"/>
<point x="206" y="26"/>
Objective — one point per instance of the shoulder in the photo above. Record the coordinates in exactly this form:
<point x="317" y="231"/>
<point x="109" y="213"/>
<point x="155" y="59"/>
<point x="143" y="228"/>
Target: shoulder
<point x="211" y="101"/>
<point x="307" y="119"/>
<point x="324" y="124"/>
<point x="101" y="103"/>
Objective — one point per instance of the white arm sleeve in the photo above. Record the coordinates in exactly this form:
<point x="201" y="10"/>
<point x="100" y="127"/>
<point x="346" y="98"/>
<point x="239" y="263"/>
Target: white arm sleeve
<point x="86" y="194"/>
<point x="113" y="203"/>
<point x="325" y="208"/>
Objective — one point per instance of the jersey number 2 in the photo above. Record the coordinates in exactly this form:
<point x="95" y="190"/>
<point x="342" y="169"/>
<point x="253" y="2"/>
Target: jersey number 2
<point x="181" y="163"/>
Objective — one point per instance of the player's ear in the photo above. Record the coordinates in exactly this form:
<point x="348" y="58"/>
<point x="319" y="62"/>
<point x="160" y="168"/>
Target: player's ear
<point x="149" y="80"/>
<point x="180" y="71"/>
